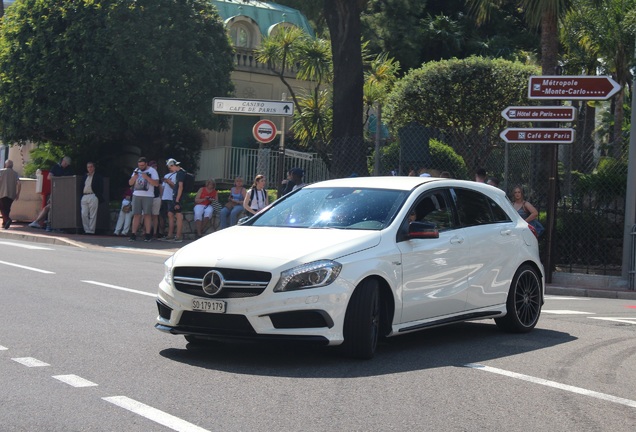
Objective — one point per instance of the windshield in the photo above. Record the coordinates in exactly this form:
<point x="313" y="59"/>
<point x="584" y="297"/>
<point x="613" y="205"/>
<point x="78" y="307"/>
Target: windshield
<point x="344" y="208"/>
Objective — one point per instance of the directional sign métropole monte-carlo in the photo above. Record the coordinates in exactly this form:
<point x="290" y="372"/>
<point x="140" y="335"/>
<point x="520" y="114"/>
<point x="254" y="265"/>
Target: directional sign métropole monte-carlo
<point x="539" y="113"/>
<point x="255" y="107"/>
<point x="538" y="136"/>
<point x="579" y="87"/>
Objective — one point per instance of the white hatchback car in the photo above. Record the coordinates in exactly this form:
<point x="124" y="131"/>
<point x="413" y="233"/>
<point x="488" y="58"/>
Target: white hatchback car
<point x="351" y="260"/>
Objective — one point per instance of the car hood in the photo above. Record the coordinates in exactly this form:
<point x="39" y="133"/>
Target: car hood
<point x="264" y="248"/>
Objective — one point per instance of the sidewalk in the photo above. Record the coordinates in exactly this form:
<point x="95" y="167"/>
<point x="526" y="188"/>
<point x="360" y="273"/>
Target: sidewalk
<point x="21" y="231"/>
<point x="578" y="285"/>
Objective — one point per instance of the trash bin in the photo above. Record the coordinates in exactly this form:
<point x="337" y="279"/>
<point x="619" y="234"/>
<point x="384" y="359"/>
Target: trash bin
<point x="66" y="211"/>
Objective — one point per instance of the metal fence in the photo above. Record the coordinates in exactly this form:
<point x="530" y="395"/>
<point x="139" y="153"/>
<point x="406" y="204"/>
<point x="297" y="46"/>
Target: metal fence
<point x="591" y="185"/>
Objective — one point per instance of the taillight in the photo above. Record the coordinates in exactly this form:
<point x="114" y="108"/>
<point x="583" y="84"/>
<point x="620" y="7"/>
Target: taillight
<point x="534" y="231"/>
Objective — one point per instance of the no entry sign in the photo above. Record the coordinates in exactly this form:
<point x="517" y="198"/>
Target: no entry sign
<point x="264" y="131"/>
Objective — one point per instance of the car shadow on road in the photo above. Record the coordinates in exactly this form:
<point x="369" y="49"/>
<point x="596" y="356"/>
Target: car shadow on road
<point x="455" y="345"/>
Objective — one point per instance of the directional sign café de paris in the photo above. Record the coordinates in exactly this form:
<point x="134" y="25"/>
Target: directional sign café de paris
<point x="255" y="107"/>
<point x="538" y="136"/>
<point x="575" y="87"/>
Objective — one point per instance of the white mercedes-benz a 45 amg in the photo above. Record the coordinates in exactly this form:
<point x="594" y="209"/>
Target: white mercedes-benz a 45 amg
<point x="349" y="261"/>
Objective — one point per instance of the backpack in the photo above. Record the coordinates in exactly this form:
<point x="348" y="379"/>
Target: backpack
<point x="252" y="193"/>
<point x="188" y="182"/>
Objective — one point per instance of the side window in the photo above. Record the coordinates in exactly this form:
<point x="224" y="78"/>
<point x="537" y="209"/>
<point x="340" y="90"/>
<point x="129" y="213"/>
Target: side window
<point x="498" y="213"/>
<point x="473" y="207"/>
<point x="433" y="208"/>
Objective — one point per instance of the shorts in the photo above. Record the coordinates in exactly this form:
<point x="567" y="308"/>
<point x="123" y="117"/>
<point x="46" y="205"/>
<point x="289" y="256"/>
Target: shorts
<point x="156" y="206"/>
<point x="142" y="204"/>
<point x="171" y="208"/>
<point x="165" y="208"/>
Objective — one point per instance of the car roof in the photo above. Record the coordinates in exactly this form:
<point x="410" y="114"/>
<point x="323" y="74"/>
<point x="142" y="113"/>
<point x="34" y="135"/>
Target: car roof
<point x="406" y="183"/>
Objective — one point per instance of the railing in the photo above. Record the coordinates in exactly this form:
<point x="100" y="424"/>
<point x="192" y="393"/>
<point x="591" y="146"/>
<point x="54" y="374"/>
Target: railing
<point x="226" y="163"/>
<point x="245" y="59"/>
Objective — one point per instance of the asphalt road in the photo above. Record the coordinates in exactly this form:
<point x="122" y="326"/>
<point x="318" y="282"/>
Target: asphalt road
<point x="78" y="352"/>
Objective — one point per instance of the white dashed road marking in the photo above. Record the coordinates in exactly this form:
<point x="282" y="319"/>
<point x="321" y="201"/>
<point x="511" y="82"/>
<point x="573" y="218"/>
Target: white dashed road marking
<point x="553" y="384"/>
<point x="565" y="312"/>
<point x="549" y="297"/>
<point x="620" y="320"/>
<point x="3" y="348"/>
<point x="154" y="414"/>
<point x="25" y="246"/>
<point x="27" y="268"/>
<point x="74" y="380"/>
<point x="120" y="288"/>
<point x="30" y="362"/>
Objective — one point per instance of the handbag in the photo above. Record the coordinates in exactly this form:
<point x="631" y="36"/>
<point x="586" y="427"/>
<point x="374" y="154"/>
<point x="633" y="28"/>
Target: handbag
<point x="537" y="227"/>
<point x="230" y="205"/>
<point x="127" y="208"/>
<point x="216" y="205"/>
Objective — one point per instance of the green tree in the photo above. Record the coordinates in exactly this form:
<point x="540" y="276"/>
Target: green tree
<point x="464" y="98"/>
<point x="97" y="76"/>
<point x="598" y="33"/>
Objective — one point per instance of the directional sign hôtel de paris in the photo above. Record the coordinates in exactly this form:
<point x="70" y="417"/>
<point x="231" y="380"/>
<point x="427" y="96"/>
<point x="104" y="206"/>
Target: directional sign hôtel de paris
<point x="539" y="113"/>
<point x="574" y="87"/>
<point x="255" y="107"/>
<point x="538" y="136"/>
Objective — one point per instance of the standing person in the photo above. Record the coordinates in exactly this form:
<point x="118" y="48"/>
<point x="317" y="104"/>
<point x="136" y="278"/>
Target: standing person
<point x="523" y="207"/>
<point x="256" y="198"/>
<point x="92" y="197"/>
<point x="493" y="181"/>
<point x="167" y="196"/>
<point x="178" y="195"/>
<point x="156" y="205"/>
<point x="143" y="180"/>
<point x="61" y="169"/>
<point x="9" y="191"/>
<point x="125" y="214"/>
<point x="294" y="180"/>
<point x="203" y="208"/>
<point x="234" y="205"/>
<point x="480" y="175"/>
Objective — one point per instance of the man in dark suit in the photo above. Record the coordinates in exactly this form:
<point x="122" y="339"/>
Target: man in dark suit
<point x="92" y="196"/>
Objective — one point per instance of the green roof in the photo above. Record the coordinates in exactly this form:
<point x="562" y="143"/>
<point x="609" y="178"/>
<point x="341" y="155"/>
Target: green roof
<point x="265" y="14"/>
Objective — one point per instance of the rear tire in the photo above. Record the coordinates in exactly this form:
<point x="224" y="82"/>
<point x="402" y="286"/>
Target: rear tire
<point x="523" y="306"/>
<point x="362" y="321"/>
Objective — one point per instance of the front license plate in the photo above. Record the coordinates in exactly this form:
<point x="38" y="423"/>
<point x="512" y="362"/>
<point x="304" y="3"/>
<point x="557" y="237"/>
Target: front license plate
<point x="206" y="305"/>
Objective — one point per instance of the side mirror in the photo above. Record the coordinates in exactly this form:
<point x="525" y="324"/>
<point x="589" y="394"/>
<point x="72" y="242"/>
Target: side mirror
<point x="422" y="230"/>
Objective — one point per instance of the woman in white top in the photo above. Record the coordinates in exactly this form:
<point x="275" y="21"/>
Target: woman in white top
<point x="256" y="197"/>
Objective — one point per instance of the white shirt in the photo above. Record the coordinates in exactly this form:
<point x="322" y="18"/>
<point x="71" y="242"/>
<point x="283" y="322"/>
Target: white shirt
<point x="142" y="187"/>
<point x="167" y="189"/>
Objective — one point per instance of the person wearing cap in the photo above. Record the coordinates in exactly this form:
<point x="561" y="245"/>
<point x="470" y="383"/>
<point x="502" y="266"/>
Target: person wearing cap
<point x="143" y="181"/>
<point x="176" y="183"/>
<point x="92" y="196"/>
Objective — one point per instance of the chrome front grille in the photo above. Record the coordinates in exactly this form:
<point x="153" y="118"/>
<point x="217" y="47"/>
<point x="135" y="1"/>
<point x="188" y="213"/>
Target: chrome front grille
<point x="236" y="283"/>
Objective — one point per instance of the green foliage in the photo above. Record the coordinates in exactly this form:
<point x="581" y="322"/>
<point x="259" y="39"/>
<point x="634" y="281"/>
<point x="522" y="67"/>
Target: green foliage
<point x="464" y="98"/>
<point x="443" y="158"/>
<point x="106" y="74"/>
<point x="43" y="157"/>
<point x="605" y="184"/>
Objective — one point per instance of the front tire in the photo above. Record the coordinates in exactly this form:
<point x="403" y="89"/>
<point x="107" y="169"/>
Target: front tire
<point x="362" y="321"/>
<point x="523" y="306"/>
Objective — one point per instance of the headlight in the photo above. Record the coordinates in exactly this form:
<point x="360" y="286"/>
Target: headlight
<point x="311" y="275"/>
<point x="167" y="270"/>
